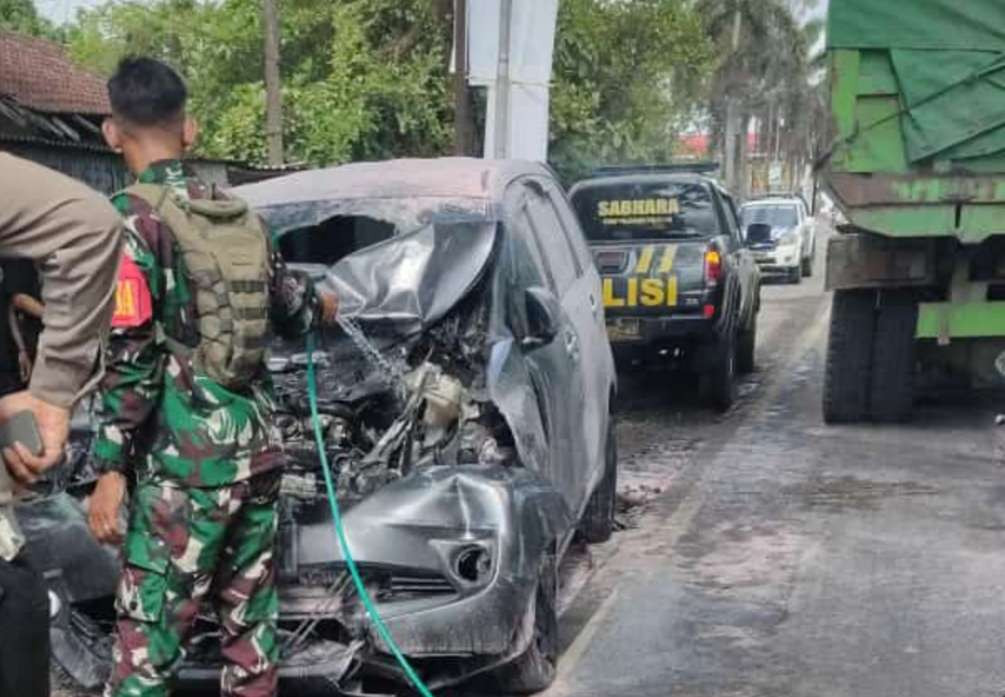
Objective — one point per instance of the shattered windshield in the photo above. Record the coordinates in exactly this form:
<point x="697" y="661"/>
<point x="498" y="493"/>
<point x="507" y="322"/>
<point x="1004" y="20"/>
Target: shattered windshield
<point x="646" y="211"/>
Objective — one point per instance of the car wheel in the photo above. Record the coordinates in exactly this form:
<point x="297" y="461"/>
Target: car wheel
<point x="808" y="267"/>
<point x="535" y="669"/>
<point x="597" y="523"/>
<point x="746" y="347"/>
<point x="796" y="274"/>
<point x="719" y="383"/>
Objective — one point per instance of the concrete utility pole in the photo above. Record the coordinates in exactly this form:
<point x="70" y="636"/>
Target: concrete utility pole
<point x="273" y="85"/>
<point x="502" y="88"/>
<point x="463" y="124"/>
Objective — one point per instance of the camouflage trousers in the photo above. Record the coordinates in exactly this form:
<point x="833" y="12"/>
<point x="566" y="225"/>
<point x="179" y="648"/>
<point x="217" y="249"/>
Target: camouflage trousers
<point x="186" y="546"/>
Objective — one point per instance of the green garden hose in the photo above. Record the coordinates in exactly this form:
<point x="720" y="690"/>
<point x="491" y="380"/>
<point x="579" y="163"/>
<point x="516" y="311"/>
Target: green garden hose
<point x="371" y="609"/>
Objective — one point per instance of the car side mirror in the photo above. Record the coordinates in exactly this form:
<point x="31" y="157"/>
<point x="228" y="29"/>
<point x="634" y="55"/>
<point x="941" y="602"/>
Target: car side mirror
<point x="542" y="312"/>
<point x="758" y="233"/>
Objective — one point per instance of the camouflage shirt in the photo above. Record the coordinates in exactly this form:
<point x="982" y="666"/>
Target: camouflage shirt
<point x="155" y="412"/>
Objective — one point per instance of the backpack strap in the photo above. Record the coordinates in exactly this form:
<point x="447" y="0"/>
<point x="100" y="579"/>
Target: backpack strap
<point x="153" y="194"/>
<point x="156" y="196"/>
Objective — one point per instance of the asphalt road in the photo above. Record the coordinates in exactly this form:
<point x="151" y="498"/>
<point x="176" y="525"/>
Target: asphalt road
<point x="775" y="556"/>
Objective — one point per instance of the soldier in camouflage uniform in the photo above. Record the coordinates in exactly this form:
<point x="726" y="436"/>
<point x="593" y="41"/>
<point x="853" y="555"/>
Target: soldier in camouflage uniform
<point x="206" y="459"/>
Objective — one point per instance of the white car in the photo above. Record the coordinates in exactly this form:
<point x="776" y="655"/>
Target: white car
<point x="792" y="248"/>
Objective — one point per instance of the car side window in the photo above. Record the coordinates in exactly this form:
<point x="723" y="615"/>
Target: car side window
<point x="527" y="258"/>
<point x="550" y="235"/>
<point x="732" y="220"/>
<point x="525" y="267"/>
<point x="734" y="216"/>
<point x="570" y="225"/>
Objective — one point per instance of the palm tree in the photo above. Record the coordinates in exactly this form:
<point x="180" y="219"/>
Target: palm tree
<point x="763" y="73"/>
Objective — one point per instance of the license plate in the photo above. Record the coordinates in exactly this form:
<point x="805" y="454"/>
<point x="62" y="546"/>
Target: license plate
<point x="624" y="330"/>
<point x="761" y="256"/>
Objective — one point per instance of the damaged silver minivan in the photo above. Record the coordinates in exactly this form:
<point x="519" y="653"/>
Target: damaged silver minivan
<point x="466" y="400"/>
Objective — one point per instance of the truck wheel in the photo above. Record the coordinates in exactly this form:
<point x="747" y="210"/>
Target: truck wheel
<point x="597" y="523"/>
<point x="893" y="366"/>
<point x="719" y="383"/>
<point x="535" y="669"/>
<point x="849" y="356"/>
<point x="746" y="346"/>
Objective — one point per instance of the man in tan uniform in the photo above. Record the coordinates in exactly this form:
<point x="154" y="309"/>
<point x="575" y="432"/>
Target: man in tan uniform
<point x="75" y="238"/>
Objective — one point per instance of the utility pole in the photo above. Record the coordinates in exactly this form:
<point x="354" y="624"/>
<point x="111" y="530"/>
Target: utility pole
<point x="732" y="164"/>
<point x="502" y="87"/>
<point x="273" y="85"/>
<point x="463" y="124"/>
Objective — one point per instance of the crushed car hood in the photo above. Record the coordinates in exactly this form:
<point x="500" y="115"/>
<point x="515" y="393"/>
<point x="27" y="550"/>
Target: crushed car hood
<point x="414" y="279"/>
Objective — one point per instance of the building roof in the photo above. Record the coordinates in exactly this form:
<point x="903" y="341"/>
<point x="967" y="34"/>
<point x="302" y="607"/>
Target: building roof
<point x="40" y="75"/>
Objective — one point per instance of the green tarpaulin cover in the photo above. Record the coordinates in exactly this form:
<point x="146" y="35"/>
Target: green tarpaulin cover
<point x="948" y="57"/>
<point x="920" y="24"/>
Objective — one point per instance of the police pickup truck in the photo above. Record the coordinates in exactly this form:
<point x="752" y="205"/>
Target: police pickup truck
<point x="679" y="286"/>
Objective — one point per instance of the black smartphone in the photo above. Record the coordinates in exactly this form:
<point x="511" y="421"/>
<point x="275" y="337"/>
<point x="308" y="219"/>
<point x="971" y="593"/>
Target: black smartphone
<point x="21" y="428"/>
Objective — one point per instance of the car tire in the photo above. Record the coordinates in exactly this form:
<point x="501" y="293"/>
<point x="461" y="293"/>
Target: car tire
<point x="597" y="523"/>
<point x="795" y="275"/>
<point x="848" y="371"/>
<point x="719" y="383"/>
<point x="746" y="348"/>
<point x="535" y="669"/>
<point x="891" y="396"/>
<point x="807" y="269"/>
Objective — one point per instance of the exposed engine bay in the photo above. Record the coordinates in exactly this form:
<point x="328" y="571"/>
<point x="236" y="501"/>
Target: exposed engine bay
<point x="389" y="406"/>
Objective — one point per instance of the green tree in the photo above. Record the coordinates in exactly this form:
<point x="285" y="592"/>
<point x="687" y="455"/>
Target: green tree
<point x="627" y="78"/>
<point x="362" y="78"/>
<point x="763" y="71"/>
<point x="22" y="17"/>
<point x="366" y="79"/>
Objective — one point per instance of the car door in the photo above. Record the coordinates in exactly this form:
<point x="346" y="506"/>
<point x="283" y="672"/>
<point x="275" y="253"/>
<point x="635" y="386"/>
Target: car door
<point x="742" y="257"/>
<point x="554" y="367"/>
<point x="553" y="218"/>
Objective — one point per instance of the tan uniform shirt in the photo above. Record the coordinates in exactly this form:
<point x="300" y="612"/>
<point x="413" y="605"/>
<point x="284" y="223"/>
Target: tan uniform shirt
<point x="75" y="237"/>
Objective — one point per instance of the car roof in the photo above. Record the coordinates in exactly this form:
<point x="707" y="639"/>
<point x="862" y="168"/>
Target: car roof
<point x="647" y="178"/>
<point x="447" y="177"/>
<point x="774" y="201"/>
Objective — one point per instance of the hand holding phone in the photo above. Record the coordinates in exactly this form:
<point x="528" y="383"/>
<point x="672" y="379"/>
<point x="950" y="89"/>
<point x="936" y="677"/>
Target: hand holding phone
<point x="21" y="428"/>
<point x="36" y="446"/>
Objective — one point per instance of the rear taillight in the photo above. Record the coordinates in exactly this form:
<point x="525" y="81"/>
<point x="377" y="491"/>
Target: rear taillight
<point x="610" y="261"/>
<point x="713" y="267"/>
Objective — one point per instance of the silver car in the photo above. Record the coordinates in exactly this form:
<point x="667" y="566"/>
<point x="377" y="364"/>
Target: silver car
<point x="791" y="248"/>
<point x="466" y="408"/>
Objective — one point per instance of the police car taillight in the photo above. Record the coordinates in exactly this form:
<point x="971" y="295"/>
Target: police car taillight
<point x="610" y="261"/>
<point x="713" y="267"/>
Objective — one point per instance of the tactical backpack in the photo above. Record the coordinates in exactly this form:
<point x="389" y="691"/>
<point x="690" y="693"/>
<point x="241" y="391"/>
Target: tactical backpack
<point x="224" y="247"/>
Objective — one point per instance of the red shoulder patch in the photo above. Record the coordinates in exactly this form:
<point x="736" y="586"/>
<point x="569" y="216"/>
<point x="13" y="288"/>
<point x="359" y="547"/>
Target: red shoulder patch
<point x="133" y="304"/>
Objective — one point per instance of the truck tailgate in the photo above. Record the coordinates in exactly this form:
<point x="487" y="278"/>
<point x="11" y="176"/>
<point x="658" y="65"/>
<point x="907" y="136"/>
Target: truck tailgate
<point x="652" y="278"/>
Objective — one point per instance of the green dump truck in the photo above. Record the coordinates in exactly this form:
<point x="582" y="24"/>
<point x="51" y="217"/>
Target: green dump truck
<point x="917" y="167"/>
